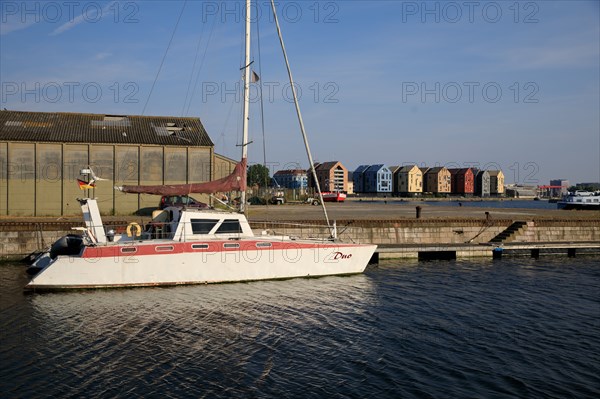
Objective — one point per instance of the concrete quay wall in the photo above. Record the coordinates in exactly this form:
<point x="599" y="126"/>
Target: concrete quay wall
<point x="440" y="231"/>
<point x="18" y="240"/>
<point x="17" y="244"/>
<point x="395" y="232"/>
<point x="560" y="231"/>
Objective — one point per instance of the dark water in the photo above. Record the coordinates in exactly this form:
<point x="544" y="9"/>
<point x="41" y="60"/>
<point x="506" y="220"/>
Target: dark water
<point x="512" y="328"/>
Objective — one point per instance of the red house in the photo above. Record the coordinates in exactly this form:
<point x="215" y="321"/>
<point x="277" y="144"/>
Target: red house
<point x="462" y="181"/>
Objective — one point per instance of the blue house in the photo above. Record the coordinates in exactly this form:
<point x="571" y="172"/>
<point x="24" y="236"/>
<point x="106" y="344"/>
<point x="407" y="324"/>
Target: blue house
<point x="377" y="179"/>
<point x="358" y="179"/>
<point x="291" y="178"/>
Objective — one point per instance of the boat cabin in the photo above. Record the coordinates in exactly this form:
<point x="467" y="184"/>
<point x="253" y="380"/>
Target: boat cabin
<point x="171" y="223"/>
<point x="195" y="224"/>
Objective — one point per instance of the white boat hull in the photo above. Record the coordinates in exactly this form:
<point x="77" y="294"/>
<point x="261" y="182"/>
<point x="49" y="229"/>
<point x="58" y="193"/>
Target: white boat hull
<point x="168" y="263"/>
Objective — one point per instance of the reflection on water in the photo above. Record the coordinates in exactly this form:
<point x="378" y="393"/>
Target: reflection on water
<point x="193" y="339"/>
<point x="403" y="329"/>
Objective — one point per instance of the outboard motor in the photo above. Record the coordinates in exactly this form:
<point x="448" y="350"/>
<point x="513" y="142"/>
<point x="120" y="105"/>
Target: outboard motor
<point x="70" y="244"/>
<point x="67" y="245"/>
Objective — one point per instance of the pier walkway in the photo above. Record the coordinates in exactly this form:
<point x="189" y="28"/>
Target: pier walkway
<point x="490" y="250"/>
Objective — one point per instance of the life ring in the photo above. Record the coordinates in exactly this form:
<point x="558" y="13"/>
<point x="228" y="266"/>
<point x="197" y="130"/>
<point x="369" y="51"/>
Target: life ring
<point x="131" y="226"/>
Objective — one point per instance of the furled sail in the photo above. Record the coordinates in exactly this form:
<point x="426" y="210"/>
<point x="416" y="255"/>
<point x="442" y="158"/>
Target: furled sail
<point x="236" y="181"/>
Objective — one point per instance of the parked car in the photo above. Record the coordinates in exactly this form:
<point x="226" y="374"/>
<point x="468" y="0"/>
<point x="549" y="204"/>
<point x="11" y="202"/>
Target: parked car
<point x="253" y="201"/>
<point x="277" y="200"/>
<point x="181" y="201"/>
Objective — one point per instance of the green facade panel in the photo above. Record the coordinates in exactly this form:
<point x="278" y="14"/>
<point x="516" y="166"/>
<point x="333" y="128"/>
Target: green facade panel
<point x="48" y="178"/>
<point x="21" y="179"/>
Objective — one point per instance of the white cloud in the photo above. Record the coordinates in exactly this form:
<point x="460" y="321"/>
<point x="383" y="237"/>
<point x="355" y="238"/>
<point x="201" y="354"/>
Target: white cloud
<point x="102" y="56"/>
<point x="549" y="56"/>
<point x="85" y="16"/>
<point x="14" y="25"/>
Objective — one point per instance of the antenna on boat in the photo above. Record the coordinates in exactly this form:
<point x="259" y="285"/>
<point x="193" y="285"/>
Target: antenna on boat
<point x="332" y="230"/>
<point x="246" y="109"/>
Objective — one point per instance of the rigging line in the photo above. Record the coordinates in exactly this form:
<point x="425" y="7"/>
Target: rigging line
<point x="227" y="119"/>
<point x="212" y="29"/>
<point x="260" y="88"/>
<point x="187" y="93"/>
<point x="164" y="57"/>
<point x="244" y="67"/>
<point x="300" y="121"/>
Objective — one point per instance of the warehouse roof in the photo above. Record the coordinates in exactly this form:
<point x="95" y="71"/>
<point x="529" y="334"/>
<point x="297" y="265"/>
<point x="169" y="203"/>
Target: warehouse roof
<point x="65" y="127"/>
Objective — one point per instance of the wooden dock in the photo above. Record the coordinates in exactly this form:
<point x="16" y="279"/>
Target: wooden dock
<point x="488" y="250"/>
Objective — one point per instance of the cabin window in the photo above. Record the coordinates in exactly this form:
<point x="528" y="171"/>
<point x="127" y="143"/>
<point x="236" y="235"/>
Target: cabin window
<point x="203" y="226"/>
<point x="128" y="250"/>
<point x="229" y="226"/>
<point x="263" y="245"/>
<point x="164" y="248"/>
<point x="231" y="245"/>
<point x="199" y="246"/>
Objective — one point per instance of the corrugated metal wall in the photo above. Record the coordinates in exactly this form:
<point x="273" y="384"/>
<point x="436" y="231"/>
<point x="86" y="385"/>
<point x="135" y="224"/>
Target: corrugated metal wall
<point x="3" y="179"/>
<point x="40" y="179"/>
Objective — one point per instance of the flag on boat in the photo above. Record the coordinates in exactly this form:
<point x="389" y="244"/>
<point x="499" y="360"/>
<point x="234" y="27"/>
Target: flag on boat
<point x="255" y="78"/>
<point x="84" y="185"/>
<point x="236" y="181"/>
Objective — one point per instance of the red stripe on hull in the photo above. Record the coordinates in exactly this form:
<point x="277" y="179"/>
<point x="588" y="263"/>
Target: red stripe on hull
<point x="144" y="249"/>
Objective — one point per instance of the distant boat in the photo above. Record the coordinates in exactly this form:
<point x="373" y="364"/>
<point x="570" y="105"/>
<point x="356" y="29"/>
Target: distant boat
<point x="334" y="196"/>
<point x="580" y="200"/>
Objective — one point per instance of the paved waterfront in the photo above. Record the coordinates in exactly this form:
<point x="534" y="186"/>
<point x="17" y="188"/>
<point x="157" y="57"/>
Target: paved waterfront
<point x="393" y="209"/>
<point x="380" y="210"/>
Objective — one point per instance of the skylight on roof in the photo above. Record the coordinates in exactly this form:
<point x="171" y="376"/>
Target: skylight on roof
<point x="175" y="127"/>
<point x="169" y="129"/>
<point x="114" y="117"/>
<point x="112" y="121"/>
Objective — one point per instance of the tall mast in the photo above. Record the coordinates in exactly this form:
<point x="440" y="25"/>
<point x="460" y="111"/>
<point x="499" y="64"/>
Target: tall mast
<point x="246" y="110"/>
<point x="301" y="122"/>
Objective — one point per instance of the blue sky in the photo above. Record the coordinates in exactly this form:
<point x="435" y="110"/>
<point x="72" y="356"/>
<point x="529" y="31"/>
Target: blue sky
<point x="514" y="85"/>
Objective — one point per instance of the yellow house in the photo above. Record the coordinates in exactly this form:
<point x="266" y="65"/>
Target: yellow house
<point x="438" y="180"/>
<point x="350" y="184"/>
<point x="409" y="179"/>
<point x="496" y="182"/>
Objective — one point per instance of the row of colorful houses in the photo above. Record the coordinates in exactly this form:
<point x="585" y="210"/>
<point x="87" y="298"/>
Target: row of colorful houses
<point x="407" y="180"/>
<point x="411" y="180"/>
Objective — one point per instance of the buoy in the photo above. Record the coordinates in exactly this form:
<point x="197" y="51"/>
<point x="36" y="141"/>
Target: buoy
<point x="137" y="232"/>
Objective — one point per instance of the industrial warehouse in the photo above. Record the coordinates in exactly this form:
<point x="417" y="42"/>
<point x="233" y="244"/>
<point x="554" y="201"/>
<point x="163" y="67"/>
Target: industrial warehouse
<point x="42" y="154"/>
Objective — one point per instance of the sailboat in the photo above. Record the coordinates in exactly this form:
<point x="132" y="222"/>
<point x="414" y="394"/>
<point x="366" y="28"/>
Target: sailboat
<point x="193" y="246"/>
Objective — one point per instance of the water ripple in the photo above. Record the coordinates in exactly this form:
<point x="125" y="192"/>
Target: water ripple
<point x="404" y="329"/>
